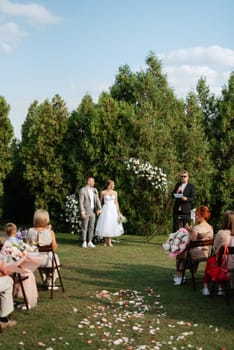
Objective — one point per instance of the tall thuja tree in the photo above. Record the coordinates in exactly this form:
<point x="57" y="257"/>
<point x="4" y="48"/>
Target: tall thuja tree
<point x="210" y="109"/>
<point x="193" y="149"/>
<point x="6" y="136"/>
<point x="223" y="155"/>
<point x="110" y="138"/>
<point x="18" y="201"/>
<point x="209" y="106"/>
<point x="77" y="141"/>
<point x="42" y="155"/>
<point x="157" y="113"/>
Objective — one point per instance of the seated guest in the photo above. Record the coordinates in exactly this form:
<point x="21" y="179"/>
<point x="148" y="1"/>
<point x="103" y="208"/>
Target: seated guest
<point x="41" y="234"/>
<point x="6" y="301"/>
<point x="13" y="250"/>
<point x="202" y="230"/>
<point x="225" y="236"/>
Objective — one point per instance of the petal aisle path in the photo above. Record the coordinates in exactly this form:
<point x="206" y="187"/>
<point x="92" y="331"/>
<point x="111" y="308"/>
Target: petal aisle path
<point x="119" y="321"/>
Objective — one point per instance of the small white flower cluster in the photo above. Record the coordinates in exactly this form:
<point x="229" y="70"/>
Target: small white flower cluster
<point x="72" y="213"/>
<point x="154" y="175"/>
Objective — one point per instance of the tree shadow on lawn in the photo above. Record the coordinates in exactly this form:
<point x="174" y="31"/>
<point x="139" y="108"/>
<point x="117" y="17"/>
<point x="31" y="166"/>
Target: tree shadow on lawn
<point x="67" y="239"/>
<point x="180" y="302"/>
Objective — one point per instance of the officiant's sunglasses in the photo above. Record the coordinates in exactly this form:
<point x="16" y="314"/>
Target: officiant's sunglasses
<point x="183" y="175"/>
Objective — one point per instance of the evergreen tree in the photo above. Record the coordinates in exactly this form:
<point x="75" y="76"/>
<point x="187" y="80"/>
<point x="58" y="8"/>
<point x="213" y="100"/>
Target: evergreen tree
<point x="42" y="155"/>
<point x="157" y="116"/>
<point x="18" y="202"/>
<point x="222" y="151"/>
<point x="193" y="150"/>
<point x="76" y="142"/>
<point x="209" y="106"/>
<point x="6" y="136"/>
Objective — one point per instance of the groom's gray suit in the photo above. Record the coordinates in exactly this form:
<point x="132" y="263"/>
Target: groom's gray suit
<point x="85" y="208"/>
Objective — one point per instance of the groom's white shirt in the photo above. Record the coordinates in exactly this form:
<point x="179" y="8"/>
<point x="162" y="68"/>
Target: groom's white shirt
<point x="91" y="197"/>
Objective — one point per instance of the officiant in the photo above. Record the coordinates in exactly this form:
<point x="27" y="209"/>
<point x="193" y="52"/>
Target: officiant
<point x="184" y="195"/>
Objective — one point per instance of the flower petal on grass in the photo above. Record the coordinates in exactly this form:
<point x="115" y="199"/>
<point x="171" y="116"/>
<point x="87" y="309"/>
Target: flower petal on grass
<point x="41" y="344"/>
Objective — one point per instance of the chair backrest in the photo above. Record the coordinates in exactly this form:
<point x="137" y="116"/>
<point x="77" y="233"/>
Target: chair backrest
<point x="201" y="243"/>
<point x="230" y="251"/>
<point x="45" y="248"/>
<point x="49" y="249"/>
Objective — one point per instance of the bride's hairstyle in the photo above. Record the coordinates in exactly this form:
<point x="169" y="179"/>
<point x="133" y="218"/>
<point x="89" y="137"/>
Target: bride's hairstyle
<point x="109" y="181"/>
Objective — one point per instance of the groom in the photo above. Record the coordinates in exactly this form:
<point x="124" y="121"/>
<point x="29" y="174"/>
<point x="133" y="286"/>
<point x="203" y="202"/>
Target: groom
<point x="90" y="206"/>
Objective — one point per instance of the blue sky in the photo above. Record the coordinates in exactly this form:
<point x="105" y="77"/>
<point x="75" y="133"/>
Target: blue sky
<point x="74" y="47"/>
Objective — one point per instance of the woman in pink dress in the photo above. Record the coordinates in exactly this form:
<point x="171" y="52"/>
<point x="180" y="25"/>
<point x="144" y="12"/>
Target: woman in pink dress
<point x="15" y="250"/>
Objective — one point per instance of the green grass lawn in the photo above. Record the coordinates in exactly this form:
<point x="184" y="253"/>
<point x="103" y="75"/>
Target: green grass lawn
<point x="122" y="298"/>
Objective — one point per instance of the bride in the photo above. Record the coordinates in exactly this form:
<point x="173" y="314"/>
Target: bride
<point x="108" y="224"/>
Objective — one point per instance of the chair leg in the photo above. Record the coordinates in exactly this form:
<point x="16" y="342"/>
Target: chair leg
<point x="193" y="279"/>
<point x="60" y="279"/>
<point x="59" y="274"/>
<point x="52" y="284"/>
<point x="20" y="280"/>
<point x="24" y="294"/>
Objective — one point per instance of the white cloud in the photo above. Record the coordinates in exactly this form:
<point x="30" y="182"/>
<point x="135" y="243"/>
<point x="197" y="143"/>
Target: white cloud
<point x="10" y="37"/>
<point x="184" y="67"/>
<point x="211" y="55"/>
<point x="35" y="14"/>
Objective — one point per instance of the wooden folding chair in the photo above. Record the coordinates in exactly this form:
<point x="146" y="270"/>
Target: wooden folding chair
<point x="224" y="284"/>
<point x="190" y="263"/>
<point x="49" y="270"/>
<point x="19" y="279"/>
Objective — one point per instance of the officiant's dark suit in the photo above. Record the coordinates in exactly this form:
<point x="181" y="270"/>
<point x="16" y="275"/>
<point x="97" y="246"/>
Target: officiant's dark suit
<point x="90" y="206"/>
<point x="183" y="206"/>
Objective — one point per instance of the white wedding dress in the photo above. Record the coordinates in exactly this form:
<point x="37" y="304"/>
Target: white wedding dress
<point x="107" y="223"/>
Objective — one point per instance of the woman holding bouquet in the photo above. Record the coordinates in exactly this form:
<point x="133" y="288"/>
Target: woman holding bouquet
<point x="14" y="250"/>
<point x="202" y="230"/>
<point x="109" y="223"/>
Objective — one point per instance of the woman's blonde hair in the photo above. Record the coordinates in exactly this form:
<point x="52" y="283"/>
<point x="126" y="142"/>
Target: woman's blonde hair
<point x="41" y="218"/>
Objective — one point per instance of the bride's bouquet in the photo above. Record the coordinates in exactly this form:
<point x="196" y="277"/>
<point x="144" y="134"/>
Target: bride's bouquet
<point x="176" y="242"/>
<point x="122" y="219"/>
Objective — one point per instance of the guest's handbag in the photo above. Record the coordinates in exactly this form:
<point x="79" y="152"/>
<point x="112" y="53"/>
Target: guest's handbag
<point x="217" y="267"/>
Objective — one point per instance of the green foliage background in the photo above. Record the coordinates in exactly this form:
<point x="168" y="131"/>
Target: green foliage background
<point x="139" y="117"/>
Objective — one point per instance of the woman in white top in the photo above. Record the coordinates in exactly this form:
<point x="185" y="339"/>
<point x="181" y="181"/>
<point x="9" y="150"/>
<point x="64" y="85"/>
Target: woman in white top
<point x="41" y="234"/>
